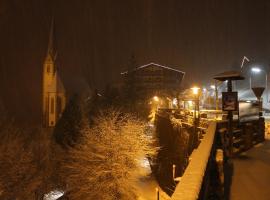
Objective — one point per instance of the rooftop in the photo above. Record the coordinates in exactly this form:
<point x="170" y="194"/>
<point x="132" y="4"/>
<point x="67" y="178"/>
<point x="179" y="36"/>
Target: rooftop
<point x="158" y="65"/>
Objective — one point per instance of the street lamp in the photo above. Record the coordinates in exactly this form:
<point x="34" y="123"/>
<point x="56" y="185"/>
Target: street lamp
<point x="195" y="91"/>
<point x="242" y="67"/>
<point x="156" y="99"/>
<point x="243" y="61"/>
<point x="215" y="87"/>
<point x="257" y="70"/>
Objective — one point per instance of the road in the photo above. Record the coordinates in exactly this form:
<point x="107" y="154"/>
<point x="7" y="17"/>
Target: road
<point x="251" y="174"/>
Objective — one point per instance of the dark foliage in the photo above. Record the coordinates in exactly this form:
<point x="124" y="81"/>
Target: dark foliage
<point x="26" y="163"/>
<point x="174" y="144"/>
<point x="129" y="87"/>
<point x="67" y="130"/>
<point x="111" y="97"/>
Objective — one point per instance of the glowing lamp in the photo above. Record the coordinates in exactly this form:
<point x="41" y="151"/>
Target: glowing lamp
<point x="195" y="90"/>
<point x="155" y="98"/>
<point x="256" y="70"/>
<point x="213" y="87"/>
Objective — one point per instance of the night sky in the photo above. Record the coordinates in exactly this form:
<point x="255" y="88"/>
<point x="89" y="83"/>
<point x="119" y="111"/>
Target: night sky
<point x="96" y="38"/>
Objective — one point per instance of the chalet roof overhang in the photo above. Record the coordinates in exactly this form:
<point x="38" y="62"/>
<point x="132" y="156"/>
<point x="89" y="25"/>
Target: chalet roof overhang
<point x="157" y="65"/>
<point x="229" y="75"/>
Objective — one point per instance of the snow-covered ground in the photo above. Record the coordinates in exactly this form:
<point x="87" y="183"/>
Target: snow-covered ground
<point x="53" y="195"/>
<point x="147" y="189"/>
<point x="251" y="174"/>
<point x="146" y="185"/>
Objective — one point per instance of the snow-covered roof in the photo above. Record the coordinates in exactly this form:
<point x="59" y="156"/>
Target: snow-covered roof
<point x="158" y="65"/>
<point x="233" y="75"/>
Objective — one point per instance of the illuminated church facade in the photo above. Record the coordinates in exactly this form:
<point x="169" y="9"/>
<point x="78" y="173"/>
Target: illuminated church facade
<point x="53" y="93"/>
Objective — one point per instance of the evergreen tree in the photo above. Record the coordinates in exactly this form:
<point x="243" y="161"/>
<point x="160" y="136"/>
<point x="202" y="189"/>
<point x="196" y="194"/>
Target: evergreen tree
<point x="129" y="88"/>
<point x="67" y="130"/>
<point x="111" y="96"/>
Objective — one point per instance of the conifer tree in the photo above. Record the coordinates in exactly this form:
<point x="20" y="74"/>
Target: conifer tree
<point x="67" y="130"/>
<point x="129" y="88"/>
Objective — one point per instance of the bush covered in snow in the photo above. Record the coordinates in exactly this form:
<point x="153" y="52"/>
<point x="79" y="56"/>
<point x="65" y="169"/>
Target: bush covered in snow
<point x="106" y="163"/>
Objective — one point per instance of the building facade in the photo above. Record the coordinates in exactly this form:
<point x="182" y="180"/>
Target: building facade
<point x="154" y="79"/>
<point x="53" y="95"/>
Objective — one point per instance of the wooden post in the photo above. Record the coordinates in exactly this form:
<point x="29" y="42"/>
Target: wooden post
<point x="230" y="122"/>
<point x="216" y="94"/>
<point x="173" y="172"/>
<point x="157" y="191"/>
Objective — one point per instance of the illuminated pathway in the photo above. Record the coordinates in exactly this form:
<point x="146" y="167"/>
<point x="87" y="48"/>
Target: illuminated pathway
<point x="251" y="174"/>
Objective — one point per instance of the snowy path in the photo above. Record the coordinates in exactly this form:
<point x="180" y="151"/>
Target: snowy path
<point x="147" y="189"/>
<point x="251" y="174"/>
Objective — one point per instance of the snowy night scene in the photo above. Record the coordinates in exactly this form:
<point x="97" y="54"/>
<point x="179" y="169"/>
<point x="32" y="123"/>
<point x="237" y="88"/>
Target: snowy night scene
<point x="134" y="99"/>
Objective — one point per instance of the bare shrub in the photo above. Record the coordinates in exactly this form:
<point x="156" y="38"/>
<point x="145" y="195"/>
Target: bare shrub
<point x="107" y="163"/>
<point x="25" y="166"/>
<point x="17" y="169"/>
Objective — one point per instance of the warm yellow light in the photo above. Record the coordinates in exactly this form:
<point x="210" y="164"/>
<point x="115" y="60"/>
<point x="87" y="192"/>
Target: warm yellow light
<point x="195" y="90"/>
<point x="156" y="98"/>
<point x="175" y="102"/>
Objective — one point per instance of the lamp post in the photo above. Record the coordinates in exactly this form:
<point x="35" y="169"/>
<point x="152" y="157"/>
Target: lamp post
<point x="215" y="88"/>
<point x="195" y="91"/>
<point x="257" y="70"/>
<point x="242" y="66"/>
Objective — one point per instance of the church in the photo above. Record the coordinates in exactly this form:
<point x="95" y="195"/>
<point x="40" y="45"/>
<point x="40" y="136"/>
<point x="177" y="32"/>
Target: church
<point x="53" y="92"/>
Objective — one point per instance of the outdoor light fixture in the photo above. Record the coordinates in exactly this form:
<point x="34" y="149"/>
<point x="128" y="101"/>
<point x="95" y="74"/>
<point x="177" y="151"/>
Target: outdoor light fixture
<point x="196" y="120"/>
<point x="156" y="98"/>
<point x="213" y="87"/>
<point x="175" y="102"/>
<point x="195" y="90"/>
<point x="256" y="70"/>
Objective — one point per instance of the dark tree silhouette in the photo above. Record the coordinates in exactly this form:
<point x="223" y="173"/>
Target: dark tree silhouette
<point x="67" y="130"/>
<point x="129" y="88"/>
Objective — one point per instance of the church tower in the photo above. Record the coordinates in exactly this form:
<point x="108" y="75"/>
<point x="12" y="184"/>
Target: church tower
<point x="53" y="94"/>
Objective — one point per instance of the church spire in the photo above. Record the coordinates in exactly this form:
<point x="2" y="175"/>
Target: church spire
<point x="51" y="50"/>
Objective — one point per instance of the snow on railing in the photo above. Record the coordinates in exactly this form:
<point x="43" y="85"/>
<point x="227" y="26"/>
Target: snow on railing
<point x="190" y="185"/>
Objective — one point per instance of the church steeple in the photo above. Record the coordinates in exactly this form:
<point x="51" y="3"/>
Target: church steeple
<point x="51" y="53"/>
<point x="51" y="39"/>
<point x="53" y="90"/>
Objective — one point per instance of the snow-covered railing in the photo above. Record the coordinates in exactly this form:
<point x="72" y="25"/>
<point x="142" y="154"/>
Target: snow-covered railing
<point x="191" y="182"/>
